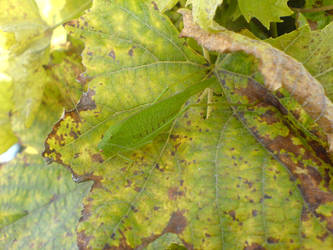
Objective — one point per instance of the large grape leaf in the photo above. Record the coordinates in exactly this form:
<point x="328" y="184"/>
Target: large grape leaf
<point x="265" y="11"/>
<point x="39" y="205"/>
<point x="282" y="145"/>
<point x="305" y="161"/>
<point x="208" y="181"/>
<point x="145" y="65"/>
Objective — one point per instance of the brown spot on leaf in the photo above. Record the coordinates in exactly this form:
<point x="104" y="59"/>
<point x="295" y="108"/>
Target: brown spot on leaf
<point x="232" y="213"/>
<point x="83" y="78"/>
<point x="323" y="237"/>
<point x="177" y="223"/>
<point x="272" y="240"/>
<point x="112" y="54"/>
<point x="72" y="23"/>
<point x="83" y="240"/>
<point x="155" y="5"/>
<point x="131" y="51"/>
<point x="255" y="92"/>
<point x="174" y="193"/>
<point x="86" y="102"/>
<point x="253" y="246"/>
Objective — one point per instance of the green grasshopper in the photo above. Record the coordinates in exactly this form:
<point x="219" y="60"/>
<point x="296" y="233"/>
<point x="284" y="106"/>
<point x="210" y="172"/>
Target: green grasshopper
<point x="142" y="127"/>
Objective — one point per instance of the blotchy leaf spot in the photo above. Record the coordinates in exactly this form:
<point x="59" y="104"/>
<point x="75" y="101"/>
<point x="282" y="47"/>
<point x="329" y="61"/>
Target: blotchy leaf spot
<point x="298" y="158"/>
<point x="86" y="102"/>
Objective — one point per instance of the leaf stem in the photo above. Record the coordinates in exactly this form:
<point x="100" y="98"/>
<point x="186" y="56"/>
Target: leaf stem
<point x="324" y="8"/>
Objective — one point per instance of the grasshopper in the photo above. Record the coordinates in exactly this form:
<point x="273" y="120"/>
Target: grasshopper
<point x="142" y="127"/>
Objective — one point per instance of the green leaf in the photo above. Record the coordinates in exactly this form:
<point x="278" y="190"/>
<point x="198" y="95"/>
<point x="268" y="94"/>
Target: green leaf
<point x="207" y="181"/>
<point x="265" y="11"/>
<point x="204" y="12"/>
<point x="39" y="205"/>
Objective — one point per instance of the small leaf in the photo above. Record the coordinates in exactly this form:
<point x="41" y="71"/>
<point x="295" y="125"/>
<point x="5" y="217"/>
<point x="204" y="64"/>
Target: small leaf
<point x="204" y="12"/>
<point x="164" y="5"/>
<point x="265" y="11"/>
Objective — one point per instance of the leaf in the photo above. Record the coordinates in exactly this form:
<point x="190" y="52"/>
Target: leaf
<point x="39" y="205"/>
<point x="7" y="137"/>
<point x="204" y="12"/>
<point x="164" y="5"/>
<point x="318" y="19"/>
<point x="113" y="55"/>
<point x="27" y="38"/>
<point x="313" y="49"/>
<point x="267" y="122"/>
<point x="265" y="11"/>
<point x="207" y="181"/>
<point x="56" y="12"/>
<point x="62" y="90"/>
<point x="277" y="68"/>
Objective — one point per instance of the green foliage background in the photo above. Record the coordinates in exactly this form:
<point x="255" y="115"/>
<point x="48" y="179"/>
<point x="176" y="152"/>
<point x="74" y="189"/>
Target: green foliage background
<point x="235" y="171"/>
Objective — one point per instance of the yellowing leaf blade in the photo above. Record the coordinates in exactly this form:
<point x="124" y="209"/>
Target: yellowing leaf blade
<point x="39" y="205"/>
